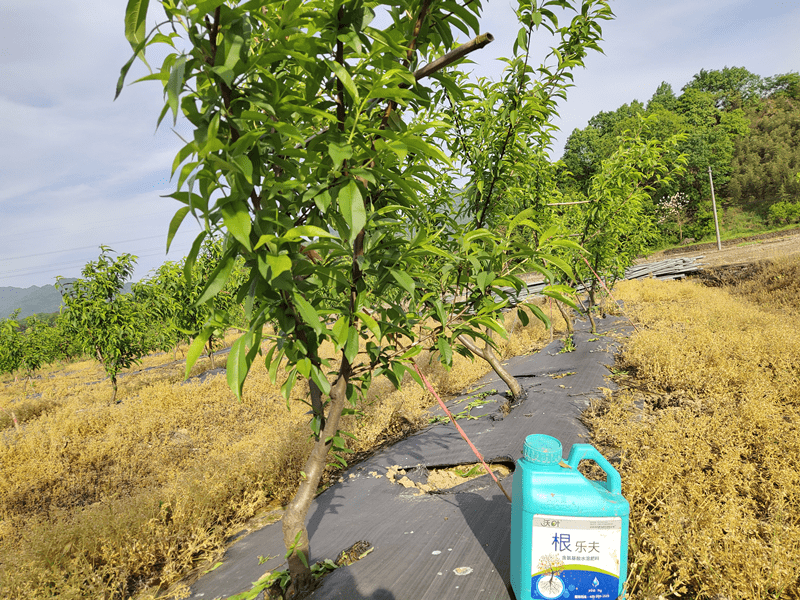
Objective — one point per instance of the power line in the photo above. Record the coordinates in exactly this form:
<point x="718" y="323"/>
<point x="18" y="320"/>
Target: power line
<point x="63" y="251"/>
<point x="86" y="226"/>
<point x="52" y="268"/>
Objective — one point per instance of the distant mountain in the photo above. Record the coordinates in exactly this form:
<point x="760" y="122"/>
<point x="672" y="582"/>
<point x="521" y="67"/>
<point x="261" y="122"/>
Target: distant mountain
<point x="32" y="300"/>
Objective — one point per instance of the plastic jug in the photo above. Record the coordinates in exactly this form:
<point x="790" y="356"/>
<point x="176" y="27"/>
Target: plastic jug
<point x="569" y="535"/>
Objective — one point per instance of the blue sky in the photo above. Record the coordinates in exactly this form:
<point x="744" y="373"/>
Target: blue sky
<point x="78" y="170"/>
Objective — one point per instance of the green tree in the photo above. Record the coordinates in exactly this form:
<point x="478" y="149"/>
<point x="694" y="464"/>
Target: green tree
<point x="613" y="226"/>
<point x="301" y="156"/>
<point x="106" y="320"/>
<point x="663" y="99"/>
<point x="786" y="85"/>
<point x="587" y="148"/>
<point x="38" y="346"/>
<point x="710" y="128"/>
<point x="765" y="162"/>
<point x="160" y="301"/>
<point x="502" y="132"/>
<point x="731" y="88"/>
<point x="10" y="344"/>
<point x="171" y="296"/>
<point x="68" y="346"/>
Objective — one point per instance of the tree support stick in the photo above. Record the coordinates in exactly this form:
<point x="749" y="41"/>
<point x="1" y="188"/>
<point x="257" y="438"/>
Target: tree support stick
<point x="461" y="431"/>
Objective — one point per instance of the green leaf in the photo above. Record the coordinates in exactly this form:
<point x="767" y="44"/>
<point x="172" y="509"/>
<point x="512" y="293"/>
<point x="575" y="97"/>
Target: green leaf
<point x="175" y="85"/>
<point x="245" y="166"/>
<point x="216" y="566"/>
<point x="483" y="279"/>
<point x="539" y="313"/>
<point x="340" y="332"/>
<point x="343" y="76"/>
<point x="272" y="361"/>
<point x="404" y="279"/>
<point x="307" y="231"/>
<point x="236" y="216"/>
<point x="123" y="72"/>
<point x="319" y="378"/>
<point x="218" y="278"/>
<point x="351" y="347"/>
<point x="371" y="324"/>
<point x="555" y="295"/>
<point x="225" y="73"/>
<point x="188" y="264"/>
<point x="238" y="365"/>
<point x="303" y="367"/>
<point x="175" y="223"/>
<point x="234" y="50"/>
<point x="196" y="349"/>
<point x="286" y="388"/>
<point x="415" y="376"/>
<point x="307" y="312"/>
<point x="278" y="264"/>
<point x="303" y="558"/>
<point x="135" y="20"/>
<point x="445" y="350"/>
<point x="339" y="153"/>
<point x="351" y="206"/>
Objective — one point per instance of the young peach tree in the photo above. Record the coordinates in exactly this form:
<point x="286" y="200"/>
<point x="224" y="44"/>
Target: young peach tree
<point x="105" y="320"/>
<point x="10" y="344"/>
<point x="308" y="155"/>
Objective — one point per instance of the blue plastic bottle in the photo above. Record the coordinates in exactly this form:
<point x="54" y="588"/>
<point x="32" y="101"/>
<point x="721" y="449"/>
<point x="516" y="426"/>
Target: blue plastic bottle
<point x="569" y="535"/>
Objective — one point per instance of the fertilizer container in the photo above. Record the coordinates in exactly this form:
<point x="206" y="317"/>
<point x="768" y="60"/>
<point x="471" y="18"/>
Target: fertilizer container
<point x="569" y="535"/>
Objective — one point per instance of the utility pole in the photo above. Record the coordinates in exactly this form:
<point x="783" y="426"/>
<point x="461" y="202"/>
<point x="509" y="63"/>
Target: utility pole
<point x="714" y="206"/>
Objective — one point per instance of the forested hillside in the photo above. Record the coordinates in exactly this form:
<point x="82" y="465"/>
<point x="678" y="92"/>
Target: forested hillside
<point x="745" y="127"/>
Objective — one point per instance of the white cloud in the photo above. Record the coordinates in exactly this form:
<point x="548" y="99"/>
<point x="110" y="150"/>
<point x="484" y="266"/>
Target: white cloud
<point x="80" y="169"/>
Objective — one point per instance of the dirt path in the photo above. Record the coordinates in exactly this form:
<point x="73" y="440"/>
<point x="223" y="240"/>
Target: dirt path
<point x="739" y="251"/>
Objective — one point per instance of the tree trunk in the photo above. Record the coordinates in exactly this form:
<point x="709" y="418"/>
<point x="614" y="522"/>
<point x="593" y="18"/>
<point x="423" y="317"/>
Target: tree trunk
<point x="566" y="316"/>
<point x="114" y="387"/>
<point x="592" y="304"/>
<point x="295" y="534"/>
<point x="316" y="404"/>
<point x="211" y="349"/>
<point x="487" y="354"/>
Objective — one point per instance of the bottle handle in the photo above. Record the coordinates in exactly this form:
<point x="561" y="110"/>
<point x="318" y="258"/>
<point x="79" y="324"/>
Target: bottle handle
<point x="579" y="452"/>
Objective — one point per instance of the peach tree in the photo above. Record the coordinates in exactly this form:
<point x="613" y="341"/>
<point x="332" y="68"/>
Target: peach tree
<point x="106" y="321"/>
<point x="315" y="145"/>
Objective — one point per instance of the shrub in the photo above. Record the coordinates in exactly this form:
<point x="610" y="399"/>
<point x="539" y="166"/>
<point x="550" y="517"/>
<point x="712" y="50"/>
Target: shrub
<point x="784" y="213"/>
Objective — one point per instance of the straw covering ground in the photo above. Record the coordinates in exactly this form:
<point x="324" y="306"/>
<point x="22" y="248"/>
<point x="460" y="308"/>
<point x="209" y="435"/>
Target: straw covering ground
<point x="706" y="429"/>
<point x="102" y="501"/>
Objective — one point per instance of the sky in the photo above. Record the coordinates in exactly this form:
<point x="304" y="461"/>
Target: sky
<point x="78" y="169"/>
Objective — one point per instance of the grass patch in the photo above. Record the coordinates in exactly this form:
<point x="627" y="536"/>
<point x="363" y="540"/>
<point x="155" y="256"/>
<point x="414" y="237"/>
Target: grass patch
<point x="112" y="502"/>
<point x="735" y="222"/>
<point x="707" y="435"/>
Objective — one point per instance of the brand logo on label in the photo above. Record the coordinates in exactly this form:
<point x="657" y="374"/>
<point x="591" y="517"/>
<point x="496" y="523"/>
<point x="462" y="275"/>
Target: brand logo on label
<point x="550" y="523"/>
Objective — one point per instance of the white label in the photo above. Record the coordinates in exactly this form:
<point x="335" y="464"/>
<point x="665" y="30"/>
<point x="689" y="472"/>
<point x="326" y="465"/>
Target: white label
<point x="576" y="556"/>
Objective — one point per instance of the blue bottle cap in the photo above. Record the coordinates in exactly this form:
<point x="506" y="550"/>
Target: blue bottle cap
<point x="542" y="449"/>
